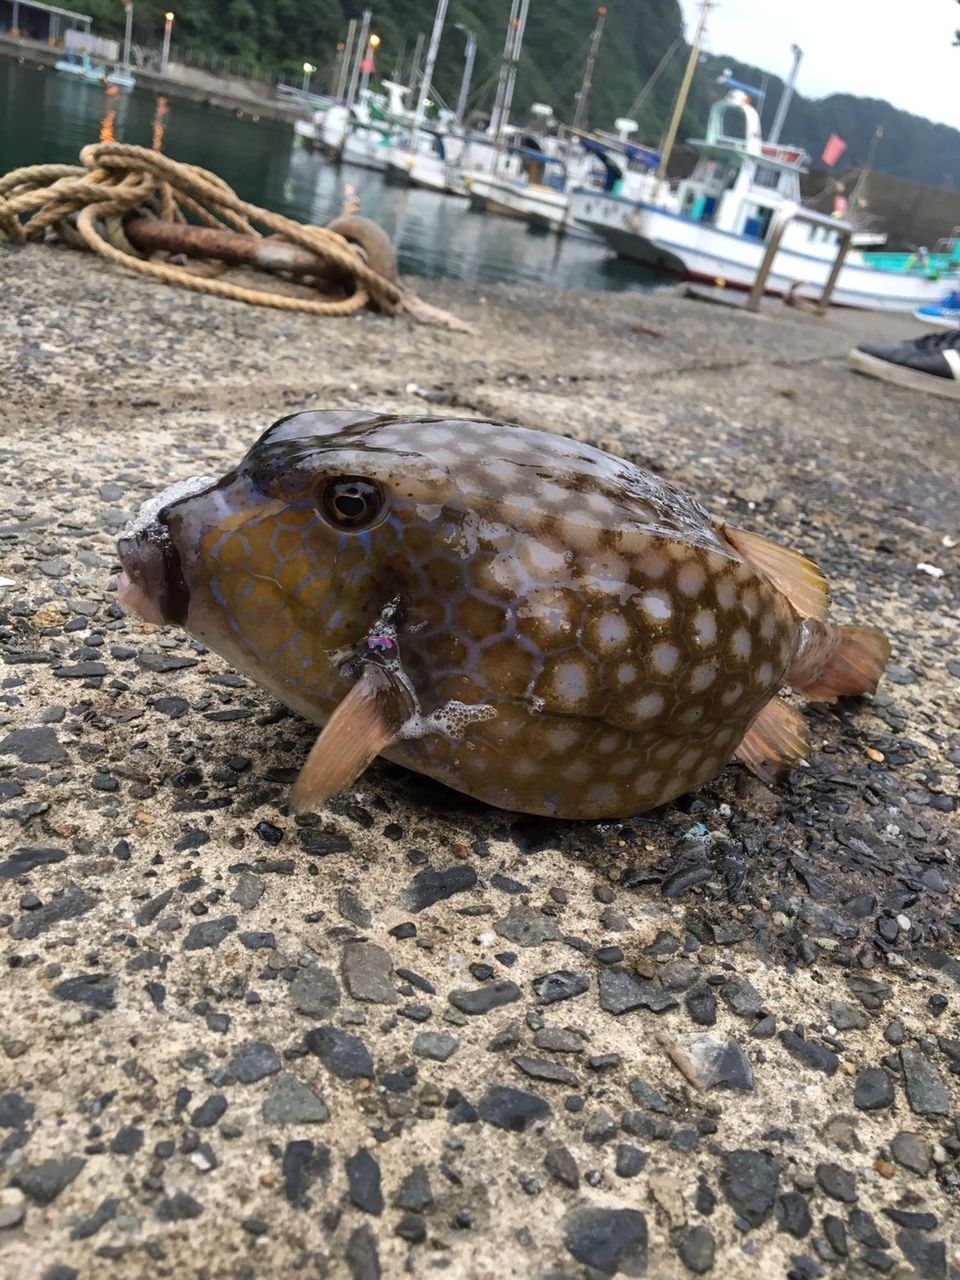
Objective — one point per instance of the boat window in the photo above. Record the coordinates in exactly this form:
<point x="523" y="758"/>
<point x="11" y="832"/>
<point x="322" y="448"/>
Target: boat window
<point x="767" y="176"/>
<point x="758" y="221"/>
<point x="732" y="123"/>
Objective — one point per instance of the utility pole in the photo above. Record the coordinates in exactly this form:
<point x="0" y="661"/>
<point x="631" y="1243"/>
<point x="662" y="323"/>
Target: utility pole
<point x="783" y="106"/>
<point x="424" y="91"/>
<point x="583" y="97"/>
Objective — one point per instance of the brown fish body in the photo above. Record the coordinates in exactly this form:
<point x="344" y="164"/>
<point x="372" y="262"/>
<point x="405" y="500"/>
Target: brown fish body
<point x="571" y="636"/>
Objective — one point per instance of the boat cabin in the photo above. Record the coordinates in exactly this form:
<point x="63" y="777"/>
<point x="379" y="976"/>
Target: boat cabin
<point x="740" y="182"/>
<point x="620" y="159"/>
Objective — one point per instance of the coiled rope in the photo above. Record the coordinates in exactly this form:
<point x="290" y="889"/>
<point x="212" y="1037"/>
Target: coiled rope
<point x="85" y="205"/>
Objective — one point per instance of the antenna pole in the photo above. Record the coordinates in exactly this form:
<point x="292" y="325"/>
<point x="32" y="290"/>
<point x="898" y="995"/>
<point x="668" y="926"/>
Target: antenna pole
<point x="783" y="106"/>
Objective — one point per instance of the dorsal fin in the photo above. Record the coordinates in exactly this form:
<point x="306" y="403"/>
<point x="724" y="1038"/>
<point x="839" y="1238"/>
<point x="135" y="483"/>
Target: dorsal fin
<point x="775" y="741"/>
<point x="796" y="577"/>
<point x="366" y="721"/>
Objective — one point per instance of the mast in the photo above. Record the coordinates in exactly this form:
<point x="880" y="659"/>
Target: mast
<point x="864" y="172"/>
<point x="682" y="95"/>
<point x="398" y="64"/>
<point x="360" y="54"/>
<point x="127" y="35"/>
<point x="508" y="68"/>
<point x="514" y="62"/>
<point x="496" y="115"/>
<point x="414" y="78"/>
<point x="469" y="55"/>
<point x="783" y="106"/>
<point x="583" y="97"/>
<point x="345" y="63"/>
<point x="424" y="92"/>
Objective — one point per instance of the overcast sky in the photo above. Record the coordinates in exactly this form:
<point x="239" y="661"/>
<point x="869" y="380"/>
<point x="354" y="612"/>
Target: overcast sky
<point x="874" y="48"/>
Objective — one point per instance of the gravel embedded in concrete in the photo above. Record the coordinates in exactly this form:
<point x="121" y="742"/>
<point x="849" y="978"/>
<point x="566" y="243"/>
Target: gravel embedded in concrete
<point x="198" y="986"/>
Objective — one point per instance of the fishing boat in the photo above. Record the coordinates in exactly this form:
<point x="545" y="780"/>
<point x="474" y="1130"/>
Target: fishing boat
<point x="433" y="156"/>
<point x="944" y="260"/>
<point x="426" y="156"/>
<point x="713" y="226"/>
<point x="358" y="128"/>
<point x="121" y="77"/>
<point x="533" y="179"/>
<point x="360" y="134"/>
<point x="542" y="192"/>
<point x="81" y="67"/>
<point x="429" y="158"/>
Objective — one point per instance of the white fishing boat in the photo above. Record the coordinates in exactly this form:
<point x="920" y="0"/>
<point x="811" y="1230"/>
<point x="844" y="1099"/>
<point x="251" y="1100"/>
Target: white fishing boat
<point x="713" y="226"/>
<point x="541" y="192"/>
<point x="532" y="178"/>
<point x="360" y="135"/>
<point x="429" y="158"/>
<point x="528" y="183"/>
<point x="358" y="129"/>
<point x="121" y="77"/>
<point x="427" y="155"/>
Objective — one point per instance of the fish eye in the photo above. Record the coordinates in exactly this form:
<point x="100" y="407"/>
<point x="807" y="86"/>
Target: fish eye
<point x="351" y="502"/>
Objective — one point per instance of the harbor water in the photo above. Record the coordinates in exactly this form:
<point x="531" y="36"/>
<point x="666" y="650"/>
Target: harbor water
<point x="47" y="118"/>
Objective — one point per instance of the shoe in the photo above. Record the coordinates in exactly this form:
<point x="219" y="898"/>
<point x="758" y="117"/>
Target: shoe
<point x="930" y="363"/>
<point x="945" y="313"/>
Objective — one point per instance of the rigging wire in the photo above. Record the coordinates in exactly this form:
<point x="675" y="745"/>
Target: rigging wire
<point x="648" y="88"/>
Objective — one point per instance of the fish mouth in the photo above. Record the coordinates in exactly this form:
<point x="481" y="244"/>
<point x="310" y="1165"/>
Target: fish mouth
<point x="152" y="586"/>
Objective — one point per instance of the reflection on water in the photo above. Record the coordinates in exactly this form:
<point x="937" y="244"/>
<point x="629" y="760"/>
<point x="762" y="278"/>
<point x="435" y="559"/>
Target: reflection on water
<point x="49" y="117"/>
<point x="158" y="124"/>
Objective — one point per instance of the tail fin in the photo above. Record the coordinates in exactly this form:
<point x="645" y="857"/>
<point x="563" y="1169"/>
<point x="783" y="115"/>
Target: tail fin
<point x="833" y="662"/>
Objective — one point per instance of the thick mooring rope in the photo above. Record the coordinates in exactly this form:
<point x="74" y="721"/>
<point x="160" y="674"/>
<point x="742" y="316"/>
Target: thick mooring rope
<point x="86" y="205"/>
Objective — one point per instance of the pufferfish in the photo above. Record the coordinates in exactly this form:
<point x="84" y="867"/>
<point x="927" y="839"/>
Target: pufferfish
<point x="523" y="617"/>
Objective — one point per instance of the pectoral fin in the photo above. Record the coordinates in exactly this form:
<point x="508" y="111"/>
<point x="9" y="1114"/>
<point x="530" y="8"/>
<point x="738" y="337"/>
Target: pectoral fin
<point x="364" y="723"/>
<point x="775" y="741"/>
<point x="796" y="577"/>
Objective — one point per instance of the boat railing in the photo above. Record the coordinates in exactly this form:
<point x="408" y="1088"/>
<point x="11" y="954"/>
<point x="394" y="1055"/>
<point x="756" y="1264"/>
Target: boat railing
<point x="781" y="220"/>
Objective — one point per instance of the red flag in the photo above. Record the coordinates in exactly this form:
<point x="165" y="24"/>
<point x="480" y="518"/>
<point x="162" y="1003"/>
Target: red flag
<point x="833" y="150"/>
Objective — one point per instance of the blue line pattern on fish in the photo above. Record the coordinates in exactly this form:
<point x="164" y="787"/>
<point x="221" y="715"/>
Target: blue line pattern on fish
<point x="527" y="619"/>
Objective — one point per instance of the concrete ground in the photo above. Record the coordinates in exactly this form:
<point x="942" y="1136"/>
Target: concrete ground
<point x="413" y="1035"/>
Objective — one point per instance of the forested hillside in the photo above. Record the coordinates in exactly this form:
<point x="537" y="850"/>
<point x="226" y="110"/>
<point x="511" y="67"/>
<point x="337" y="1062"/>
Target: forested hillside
<point x="276" y="36"/>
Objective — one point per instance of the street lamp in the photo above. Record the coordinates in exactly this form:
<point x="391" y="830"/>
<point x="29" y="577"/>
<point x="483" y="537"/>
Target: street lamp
<point x="373" y="44"/>
<point x="308" y="70"/>
<point x="167" y="28"/>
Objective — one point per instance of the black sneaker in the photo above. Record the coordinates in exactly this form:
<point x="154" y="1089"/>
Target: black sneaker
<point x="930" y="363"/>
